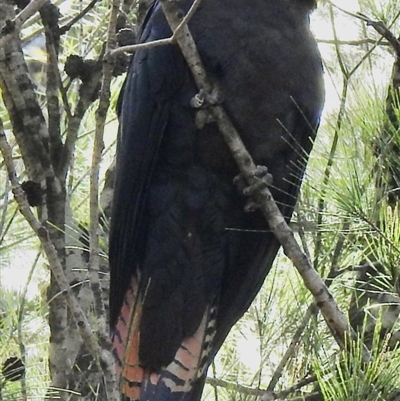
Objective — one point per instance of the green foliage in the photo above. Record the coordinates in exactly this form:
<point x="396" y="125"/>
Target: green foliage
<point x="24" y="333"/>
<point x="349" y="377"/>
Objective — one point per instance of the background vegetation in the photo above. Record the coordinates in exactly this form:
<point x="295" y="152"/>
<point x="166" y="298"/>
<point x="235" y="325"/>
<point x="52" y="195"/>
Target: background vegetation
<point x="346" y="219"/>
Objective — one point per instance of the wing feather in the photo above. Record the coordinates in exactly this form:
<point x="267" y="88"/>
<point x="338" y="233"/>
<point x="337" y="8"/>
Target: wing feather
<point x="153" y="79"/>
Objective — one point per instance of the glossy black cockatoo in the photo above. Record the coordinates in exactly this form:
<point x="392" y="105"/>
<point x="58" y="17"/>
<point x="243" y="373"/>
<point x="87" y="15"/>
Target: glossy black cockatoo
<point x="186" y="259"/>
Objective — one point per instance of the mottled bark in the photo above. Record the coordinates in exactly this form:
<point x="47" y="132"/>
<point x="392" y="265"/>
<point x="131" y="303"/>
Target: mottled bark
<point x="77" y="363"/>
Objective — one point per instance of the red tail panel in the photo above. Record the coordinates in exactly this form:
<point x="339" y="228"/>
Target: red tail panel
<point x="125" y="339"/>
<point x="171" y="383"/>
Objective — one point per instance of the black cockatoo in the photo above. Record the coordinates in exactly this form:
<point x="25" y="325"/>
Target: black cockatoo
<point x="186" y="259"/>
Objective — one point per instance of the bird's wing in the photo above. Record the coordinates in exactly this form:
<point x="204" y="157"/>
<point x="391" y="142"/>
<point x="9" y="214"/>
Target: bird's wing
<point x="153" y="78"/>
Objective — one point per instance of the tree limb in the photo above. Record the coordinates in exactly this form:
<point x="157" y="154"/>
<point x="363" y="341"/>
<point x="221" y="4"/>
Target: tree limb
<point x="334" y="317"/>
<point x="94" y="259"/>
<point x="43" y="235"/>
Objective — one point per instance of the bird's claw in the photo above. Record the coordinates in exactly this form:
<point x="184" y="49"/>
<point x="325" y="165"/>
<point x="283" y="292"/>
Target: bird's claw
<point x="215" y="97"/>
<point x="260" y="183"/>
<point x="261" y="179"/>
<point x="202" y="102"/>
<point x="204" y="99"/>
<point x="203" y="117"/>
<point x="251" y="206"/>
<point x="198" y="100"/>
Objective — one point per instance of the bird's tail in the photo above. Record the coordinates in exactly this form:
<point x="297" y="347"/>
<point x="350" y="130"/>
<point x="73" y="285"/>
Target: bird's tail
<point x="182" y="380"/>
<point x="126" y="345"/>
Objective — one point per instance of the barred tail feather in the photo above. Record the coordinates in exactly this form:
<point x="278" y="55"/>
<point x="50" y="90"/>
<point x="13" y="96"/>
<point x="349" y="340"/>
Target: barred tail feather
<point x="179" y="381"/>
<point x="176" y="381"/>
<point x="125" y="340"/>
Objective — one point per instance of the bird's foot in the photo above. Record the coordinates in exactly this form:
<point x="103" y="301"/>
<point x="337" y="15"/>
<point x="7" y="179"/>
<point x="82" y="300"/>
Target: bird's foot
<point x="198" y="100"/>
<point x="202" y="102"/>
<point x="259" y="175"/>
<point x="205" y="99"/>
<point x="261" y="179"/>
<point x="203" y="117"/>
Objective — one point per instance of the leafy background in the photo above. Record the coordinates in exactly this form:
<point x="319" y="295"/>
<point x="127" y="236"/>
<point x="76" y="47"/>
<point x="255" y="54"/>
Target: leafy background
<point x="347" y="216"/>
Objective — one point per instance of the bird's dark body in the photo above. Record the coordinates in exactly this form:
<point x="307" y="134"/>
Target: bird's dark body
<point x="178" y="226"/>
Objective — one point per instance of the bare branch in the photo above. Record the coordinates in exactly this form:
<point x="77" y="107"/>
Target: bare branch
<point x="48" y="11"/>
<point x="258" y="392"/>
<point x="360" y="42"/>
<point x="43" y="235"/>
<point x="68" y="26"/>
<point x="94" y="259"/>
<point x="383" y="30"/>
<point x="335" y="319"/>
<point x="29" y="125"/>
<point x="86" y="97"/>
<point x="33" y="7"/>
<point x="160" y="42"/>
<point x="140" y="46"/>
<point x="234" y="387"/>
<point x="312" y="310"/>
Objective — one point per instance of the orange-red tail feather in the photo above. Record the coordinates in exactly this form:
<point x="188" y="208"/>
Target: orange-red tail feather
<point x="171" y="383"/>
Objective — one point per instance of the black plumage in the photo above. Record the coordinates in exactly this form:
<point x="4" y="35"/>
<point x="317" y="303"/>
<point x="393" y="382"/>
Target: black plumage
<point x="178" y="225"/>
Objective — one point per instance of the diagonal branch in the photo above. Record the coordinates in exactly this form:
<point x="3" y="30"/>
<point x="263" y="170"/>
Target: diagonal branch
<point x="51" y="253"/>
<point x="94" y="258"/>
<point x="65" y="28"/>
<point x="160" y="42"/>
<point x="28" y="12"/>
<point x="29" y="125"/>
<point x="334" y="317"/>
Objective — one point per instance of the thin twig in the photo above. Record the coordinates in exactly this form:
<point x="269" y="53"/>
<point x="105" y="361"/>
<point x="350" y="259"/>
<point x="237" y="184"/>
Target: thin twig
<point x="8" y="226"/>
<point x="258" y="392"/>
<point x="234" y="387"/>
<point x="160" y="42"/>
<point x="140" y="46"/>
<point x="67" y="27"/>
<point x="20" y="320"/>
<point x="94" y="259"/>
<point x="98" y="147"/>
<point x="312" y="310"/>
<point x="86" y="97"/>
<point x="328" y="168"/>
<point x="384" y="31"/>
<point x="186" y="18"/>
<point x="379" y="26"/>
<point x="360" y="42"/>
<point x="349" y="13"/>
<point x="4" y="209"/>
<point x="306" y="381"/>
